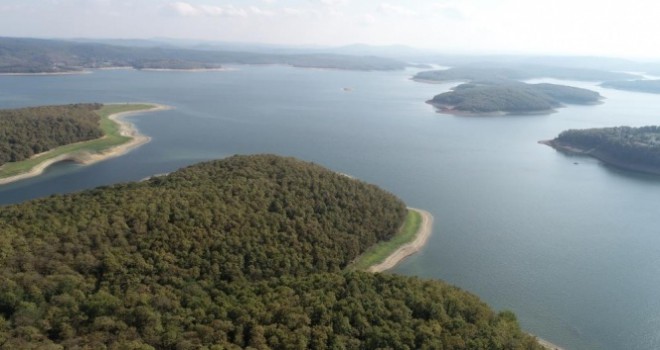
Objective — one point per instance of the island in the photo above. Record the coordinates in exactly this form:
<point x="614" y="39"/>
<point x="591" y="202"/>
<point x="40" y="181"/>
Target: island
<point x="636" y="149"/>
<point x="34" y="138"/>
<point x="489" y="71"/>
<point x="244" y="252"/>
<point x="510" y="97"/>
<point x="650" y="86"/>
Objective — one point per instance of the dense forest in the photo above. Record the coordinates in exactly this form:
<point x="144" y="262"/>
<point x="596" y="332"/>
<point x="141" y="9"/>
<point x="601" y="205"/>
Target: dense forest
<point x="637" y="148"/>
<point x="511" y="97"/>
<point x="25" y="132"/>
<point x="652" y="86"/>
<point x="246" y="252"/>
<point x="18" y="55"/>
<point x="485" y="71"/>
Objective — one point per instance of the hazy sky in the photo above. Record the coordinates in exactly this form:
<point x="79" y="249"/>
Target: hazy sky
<point x="591" y="27"/>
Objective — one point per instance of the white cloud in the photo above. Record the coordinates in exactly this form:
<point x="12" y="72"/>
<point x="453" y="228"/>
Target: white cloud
<point x="260" y="12"/>
<point x="185" y="9"/>
<point x="189" y="10"/>
<point x="334" y="2"/>
<point x="390" y="9"/>
<point x="298" y="12"/>
<point x="369" y="19"/>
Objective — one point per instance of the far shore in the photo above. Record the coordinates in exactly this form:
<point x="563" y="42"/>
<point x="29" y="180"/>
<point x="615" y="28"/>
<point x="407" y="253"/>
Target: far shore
<point x="410" y="248"/>
<point x="190" y="70"/>
<point x="126" y="129"/>
<point x="73" y="72"/>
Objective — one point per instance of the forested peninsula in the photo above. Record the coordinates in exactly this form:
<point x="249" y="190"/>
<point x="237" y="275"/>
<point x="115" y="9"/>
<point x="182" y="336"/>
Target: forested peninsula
<point x="636" y="149"/>
<point x="510" y="97"/>
<point x="33" y="138"/>
<point x="246" y="252"/>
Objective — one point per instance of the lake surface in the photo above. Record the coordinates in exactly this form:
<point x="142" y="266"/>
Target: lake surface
<point x="573" y="249"/>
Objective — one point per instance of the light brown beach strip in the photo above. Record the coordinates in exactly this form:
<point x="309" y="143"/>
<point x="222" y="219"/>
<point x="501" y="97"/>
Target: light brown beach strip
<point x="408" y="249"/>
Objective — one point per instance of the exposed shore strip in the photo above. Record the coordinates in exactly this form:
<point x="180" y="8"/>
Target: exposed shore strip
<point x="410" y="248"/>
<point x="421" y="237"/>
<point x="546" y="344"/>
<point x="606" y="159"/>
<point x="126" y="129"/>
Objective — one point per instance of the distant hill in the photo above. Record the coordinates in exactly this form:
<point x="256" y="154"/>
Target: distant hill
<point x="246" y="252"/>
<point x="518" y="72"/>
<point x="652" y="86"/>
<point x="18" y="55"/>
<point x="510" y="97"/>
<point x="630" y="148"/>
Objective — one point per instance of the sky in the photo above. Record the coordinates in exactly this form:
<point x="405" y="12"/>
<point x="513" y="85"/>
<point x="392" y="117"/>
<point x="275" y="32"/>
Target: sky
<point x="561" y="27"/>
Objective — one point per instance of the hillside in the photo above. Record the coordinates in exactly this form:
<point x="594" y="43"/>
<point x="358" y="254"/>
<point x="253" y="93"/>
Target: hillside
<point x="635" y="149"/>
<point x="247" y="251"/>
<point x="25" y="132"/>
<point x="510" y="97"/>
<point x="19" y="55"/>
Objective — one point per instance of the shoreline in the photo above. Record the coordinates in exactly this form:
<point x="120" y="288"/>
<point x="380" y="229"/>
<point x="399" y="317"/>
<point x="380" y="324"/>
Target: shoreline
<point x="546" y="344"/>
<point x="77" y="72"/>
<point x="410" y="248"/>
<point x="126" y="129"/>
<point x="421" y="238"/>
<point x="605" y="159"/>
<point x="447" y="109"/>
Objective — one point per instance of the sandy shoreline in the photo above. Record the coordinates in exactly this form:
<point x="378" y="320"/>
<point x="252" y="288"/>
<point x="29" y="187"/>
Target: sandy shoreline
<point x="546" y="344"/>
<point x="85" y="158"/>
<point x="408" y="249"/>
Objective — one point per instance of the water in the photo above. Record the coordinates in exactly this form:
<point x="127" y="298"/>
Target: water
<point x="574" y="250"/>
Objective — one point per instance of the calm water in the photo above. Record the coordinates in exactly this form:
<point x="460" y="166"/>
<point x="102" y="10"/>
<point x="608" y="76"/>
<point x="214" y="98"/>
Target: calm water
<point x="574" y="250"/>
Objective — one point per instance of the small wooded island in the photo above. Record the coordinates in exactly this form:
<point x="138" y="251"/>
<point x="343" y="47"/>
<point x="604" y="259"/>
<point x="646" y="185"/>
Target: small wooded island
<point x="33" y="138"/>
<point x="486" y="71"/>
<point x="510" y="97"/>
<point x="636" y="149"/>
<point x="246" y="252"/>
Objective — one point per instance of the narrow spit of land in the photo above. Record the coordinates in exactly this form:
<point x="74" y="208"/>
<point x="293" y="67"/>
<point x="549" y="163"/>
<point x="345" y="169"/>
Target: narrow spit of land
<point x="411" y="238"/>
<point x="120" y="137"/>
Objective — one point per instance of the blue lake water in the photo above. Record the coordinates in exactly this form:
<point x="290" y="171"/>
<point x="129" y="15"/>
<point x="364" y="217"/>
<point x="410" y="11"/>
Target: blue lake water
<point x="573" y="249"/>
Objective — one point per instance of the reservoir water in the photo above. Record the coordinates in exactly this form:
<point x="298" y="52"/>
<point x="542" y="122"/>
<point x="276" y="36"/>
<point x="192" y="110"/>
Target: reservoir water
<point x="570" y="245"/>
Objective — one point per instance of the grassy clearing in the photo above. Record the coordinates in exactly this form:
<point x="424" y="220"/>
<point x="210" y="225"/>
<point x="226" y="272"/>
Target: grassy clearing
<point x="377" y="253"/>
<point x="111" y="139"/>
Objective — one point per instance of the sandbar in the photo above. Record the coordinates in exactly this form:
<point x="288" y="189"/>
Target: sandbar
<point x="410" y="248"/>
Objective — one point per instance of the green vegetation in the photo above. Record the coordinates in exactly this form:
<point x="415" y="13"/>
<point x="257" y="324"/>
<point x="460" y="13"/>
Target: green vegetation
<point x="244" y="252"/>
<point x="626" y="147"/>
<point x="18" y="55"/>
<point x="483" y="72"/>
<point x="28" y="131"/>
<point x="93" y="116"/>
<point x="378" y="252"/>
<point x="652" y="86"/>
<point x="511" y="97"/>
